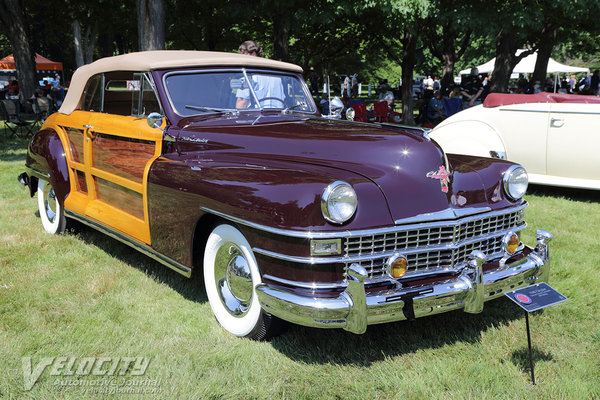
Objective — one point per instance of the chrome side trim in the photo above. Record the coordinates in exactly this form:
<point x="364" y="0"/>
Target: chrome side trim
<point x="521" y="110"/>
<point x="448" y="213"/>
<point x="552" y="111"/>
<point x="347" y="233"/>
<point x="575" y="112"/>
<point x="139" y="246"/>
<point x="39" y="174"/>
<point x="306" y="285"/>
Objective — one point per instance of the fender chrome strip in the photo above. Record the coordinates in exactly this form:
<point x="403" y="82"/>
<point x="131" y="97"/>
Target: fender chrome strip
<point x="457" y="219"/>
<point x="139" y="246"/>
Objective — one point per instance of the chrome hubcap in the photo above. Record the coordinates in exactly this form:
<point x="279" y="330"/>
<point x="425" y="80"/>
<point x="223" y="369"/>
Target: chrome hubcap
<point x="233" y="279"/>
<point x="50" y="202"/>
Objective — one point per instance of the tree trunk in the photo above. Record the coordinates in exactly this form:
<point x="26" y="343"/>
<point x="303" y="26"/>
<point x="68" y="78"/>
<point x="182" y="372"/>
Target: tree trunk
<point x="13" y="21"/>
<point x="546" y="45"/>
<point x="77" y="43"/>
<point x="409" y="47"/>
<point x="506" y="60"/>
<point x="448" y="61"/>
<point x="89" y="43"/>
<point x="151" y="24"/>
<point x="281" y="37"/>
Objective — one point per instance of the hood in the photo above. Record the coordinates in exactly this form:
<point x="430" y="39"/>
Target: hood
<point x="411" y="171"/>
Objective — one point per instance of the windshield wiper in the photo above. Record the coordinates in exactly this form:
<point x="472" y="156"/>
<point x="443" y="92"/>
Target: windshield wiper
<point x="293" y="107"/>
<point x="206" y="109"/>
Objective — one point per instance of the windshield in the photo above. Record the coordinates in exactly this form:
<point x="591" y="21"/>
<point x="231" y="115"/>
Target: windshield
<point x="198" y="92"/>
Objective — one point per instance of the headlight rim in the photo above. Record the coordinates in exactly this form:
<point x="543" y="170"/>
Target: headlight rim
<point x="329" y="189"/>
<point x="506" y="177"/>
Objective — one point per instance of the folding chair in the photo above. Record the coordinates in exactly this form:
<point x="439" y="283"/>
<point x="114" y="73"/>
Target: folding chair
<point x="381" y="111"/>
<point x="360" y="110"/>
<point x="42" y="108"/>
<point x="12" y="119"/>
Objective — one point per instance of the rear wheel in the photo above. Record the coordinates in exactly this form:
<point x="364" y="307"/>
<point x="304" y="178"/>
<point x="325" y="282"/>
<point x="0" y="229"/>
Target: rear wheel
<point x="51" y="212"/>
<point x="230" y="276"/>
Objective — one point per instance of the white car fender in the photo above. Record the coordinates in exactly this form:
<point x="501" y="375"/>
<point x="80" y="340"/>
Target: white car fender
<point x="467" y="136"/>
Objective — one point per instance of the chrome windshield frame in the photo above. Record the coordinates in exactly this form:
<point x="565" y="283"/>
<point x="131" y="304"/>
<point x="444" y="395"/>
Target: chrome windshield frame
<point x="308" y="97"/>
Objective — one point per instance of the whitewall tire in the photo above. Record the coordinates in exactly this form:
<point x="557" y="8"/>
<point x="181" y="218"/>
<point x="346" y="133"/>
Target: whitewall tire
<point x="51" y="212"/>
<point x="230" y="276"/>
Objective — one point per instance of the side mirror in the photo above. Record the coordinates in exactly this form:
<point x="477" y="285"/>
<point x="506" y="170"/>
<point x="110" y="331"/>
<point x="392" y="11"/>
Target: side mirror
<point x="155" y="120"/>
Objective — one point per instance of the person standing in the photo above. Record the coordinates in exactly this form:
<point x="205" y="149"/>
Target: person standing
<point x="313" y="79"/>
<point x="594" y="82"/>
<point x="354" y="86"/>
<point x="267" y="87"/>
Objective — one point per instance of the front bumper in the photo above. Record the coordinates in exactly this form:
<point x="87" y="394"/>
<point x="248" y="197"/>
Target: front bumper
<point x="354" y="308"/>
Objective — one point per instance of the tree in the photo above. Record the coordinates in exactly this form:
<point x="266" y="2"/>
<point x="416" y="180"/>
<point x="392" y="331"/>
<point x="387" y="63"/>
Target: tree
<point x="449" y="29"/>
<point x="151" y="24"/>
<point x="565" y="19"/>
<point x="507" y="44"/>
<point x="15" y="26"/>
<point x="404" y="19"/>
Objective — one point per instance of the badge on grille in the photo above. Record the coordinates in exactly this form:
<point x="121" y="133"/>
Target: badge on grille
<point x="442" y="175"/>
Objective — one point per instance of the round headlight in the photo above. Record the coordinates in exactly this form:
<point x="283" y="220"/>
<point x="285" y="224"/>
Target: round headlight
<point x="338" y="202"/>
<point x="515" y="182"/>
<point x="350" y="114"/>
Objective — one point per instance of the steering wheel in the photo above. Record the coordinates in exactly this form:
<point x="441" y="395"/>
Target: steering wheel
<point x="272" y="98"/>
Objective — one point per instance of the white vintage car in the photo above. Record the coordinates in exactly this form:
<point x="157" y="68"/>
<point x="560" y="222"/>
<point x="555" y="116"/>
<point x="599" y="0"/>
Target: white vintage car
<point x="556" y="137"/>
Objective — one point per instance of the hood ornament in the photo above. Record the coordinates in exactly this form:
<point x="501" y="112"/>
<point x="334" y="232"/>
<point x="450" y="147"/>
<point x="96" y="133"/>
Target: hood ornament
<point x="442" y="175"/>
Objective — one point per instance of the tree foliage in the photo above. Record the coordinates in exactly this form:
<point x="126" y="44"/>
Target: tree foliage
<point x="390" y="39"/>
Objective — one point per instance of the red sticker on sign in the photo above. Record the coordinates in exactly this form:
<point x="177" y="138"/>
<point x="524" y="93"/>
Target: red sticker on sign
<point x="523" y="298"/>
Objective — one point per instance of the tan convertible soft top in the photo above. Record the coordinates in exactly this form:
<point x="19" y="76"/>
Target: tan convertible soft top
<point x="161" y="59"/>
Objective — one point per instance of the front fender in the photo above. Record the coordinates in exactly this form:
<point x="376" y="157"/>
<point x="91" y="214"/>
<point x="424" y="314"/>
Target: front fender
<point x="46" y="159"/>
<point x="470" y="137"/>
<point x="281" y="195"/>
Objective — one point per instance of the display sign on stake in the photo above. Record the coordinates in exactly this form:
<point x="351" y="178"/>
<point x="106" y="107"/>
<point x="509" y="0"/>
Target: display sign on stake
<point x="534" y="298"/>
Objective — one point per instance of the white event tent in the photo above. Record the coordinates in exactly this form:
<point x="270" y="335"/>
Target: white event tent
<point x="527" y="65"/>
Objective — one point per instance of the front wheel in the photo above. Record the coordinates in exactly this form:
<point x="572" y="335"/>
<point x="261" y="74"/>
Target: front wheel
<point x="230" y="276"/>
<point x="51" y="212"/>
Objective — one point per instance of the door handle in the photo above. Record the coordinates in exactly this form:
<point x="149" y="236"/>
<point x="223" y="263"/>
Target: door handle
<point x="556" y="121"/>
<point x="89" y="132"/>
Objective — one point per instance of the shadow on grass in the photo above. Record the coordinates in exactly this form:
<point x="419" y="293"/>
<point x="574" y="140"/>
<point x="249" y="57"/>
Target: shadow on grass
<point x="585" y="195"/>
<point x="320" y="346"/>
<point x="521" y="358"/>
<point x="13" y="149"/>
<point x="190" y="288"/>
<point x="312" y="345"/>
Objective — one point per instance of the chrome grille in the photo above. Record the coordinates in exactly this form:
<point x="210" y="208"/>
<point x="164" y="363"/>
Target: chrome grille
<point x="434" y="247"/>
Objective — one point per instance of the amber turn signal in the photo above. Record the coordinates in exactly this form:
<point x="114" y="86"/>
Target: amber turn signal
<point x="397" y="266"/>
<point x="511" y="242"/>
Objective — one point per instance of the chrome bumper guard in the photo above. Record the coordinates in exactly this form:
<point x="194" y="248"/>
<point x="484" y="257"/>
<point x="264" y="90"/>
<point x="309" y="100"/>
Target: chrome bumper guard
<point x="354" y="309"/>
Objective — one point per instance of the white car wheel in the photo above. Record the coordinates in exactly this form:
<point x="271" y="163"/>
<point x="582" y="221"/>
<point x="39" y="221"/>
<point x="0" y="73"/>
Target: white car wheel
<point x="51" y="212"/>
<point x="230" y="276"/>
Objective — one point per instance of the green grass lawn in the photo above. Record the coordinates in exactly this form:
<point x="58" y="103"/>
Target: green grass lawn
<point x="86" y="295"/>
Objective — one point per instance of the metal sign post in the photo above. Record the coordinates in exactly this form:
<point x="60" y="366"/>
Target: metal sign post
<point x="529" y="345"/>
<point x="533" y="298"/>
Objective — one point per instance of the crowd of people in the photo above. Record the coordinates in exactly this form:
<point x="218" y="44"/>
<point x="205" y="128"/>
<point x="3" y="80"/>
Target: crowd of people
<point x="49" y="88"/>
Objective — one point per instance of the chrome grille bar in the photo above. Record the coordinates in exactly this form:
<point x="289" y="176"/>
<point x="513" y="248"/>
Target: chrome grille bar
<point x="435" y="248"/>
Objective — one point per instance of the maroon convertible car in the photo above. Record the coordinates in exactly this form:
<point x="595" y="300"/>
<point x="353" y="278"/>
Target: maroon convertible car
<point x="287" y="214"/>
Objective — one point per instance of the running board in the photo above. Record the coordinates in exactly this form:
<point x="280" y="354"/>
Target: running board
<point x="139" y="246"/>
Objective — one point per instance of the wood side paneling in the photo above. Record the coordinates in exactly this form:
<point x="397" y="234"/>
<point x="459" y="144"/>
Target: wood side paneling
<point x="76" y="142"/>
<point x="120" y="197"/>
<point x="81" y="184"/>
<point x="124" y="157"/>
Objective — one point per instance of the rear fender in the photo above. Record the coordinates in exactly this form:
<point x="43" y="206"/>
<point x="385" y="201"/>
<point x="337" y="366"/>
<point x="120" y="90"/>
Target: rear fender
<point x="46" y="159"/>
